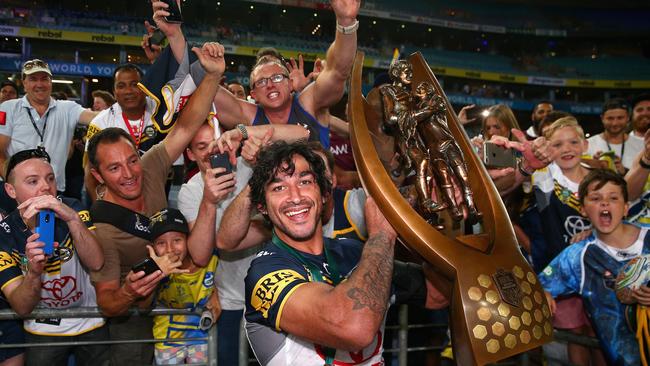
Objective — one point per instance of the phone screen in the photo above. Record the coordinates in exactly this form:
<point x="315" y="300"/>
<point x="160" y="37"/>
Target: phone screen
<point x="221" y="161"/>
<point x="174" y="12"/>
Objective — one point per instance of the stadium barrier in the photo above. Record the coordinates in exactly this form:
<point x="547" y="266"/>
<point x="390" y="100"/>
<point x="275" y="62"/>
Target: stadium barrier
<point x="401" y="351"/>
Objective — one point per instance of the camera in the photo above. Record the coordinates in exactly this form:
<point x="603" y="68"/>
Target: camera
<point x="206" y="320"/>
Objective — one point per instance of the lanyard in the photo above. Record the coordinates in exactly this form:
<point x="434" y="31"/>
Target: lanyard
<point x="317" y="276"/>
<point x="622" y="148"/>
<point x="40" y="134"/>
<point x="132" y="131"/>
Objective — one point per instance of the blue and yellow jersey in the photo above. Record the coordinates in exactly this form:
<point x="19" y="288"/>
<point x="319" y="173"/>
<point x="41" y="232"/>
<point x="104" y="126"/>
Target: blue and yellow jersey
<point x="184" y="291"/>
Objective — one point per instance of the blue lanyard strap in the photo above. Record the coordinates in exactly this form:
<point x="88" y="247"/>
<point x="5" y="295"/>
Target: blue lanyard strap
<point x="316" y="276"/>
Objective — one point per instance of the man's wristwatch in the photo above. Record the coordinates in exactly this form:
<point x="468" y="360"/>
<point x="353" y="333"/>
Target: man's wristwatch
<point x="244" y="132"/>
<point x="349" y="29"/>
<point x="520" y="167"/>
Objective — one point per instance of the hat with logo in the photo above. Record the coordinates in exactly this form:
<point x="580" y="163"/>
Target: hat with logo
<point x="34" y="66"/>
<point x="168" y="219"/>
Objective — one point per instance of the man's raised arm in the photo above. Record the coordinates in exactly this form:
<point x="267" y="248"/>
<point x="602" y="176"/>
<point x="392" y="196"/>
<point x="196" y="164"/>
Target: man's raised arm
<point x="329" y="86"/>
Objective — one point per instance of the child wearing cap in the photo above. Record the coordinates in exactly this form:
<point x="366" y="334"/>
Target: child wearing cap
<point x="191" y="290"/>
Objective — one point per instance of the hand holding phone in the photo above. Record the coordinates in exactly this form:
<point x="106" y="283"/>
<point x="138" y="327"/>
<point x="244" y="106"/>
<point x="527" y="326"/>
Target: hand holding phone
<point x="45" y="230"/>
<point x="148" y="266"/>
<point x="157" y="37"/>
<point x="221" y="161"/>
<point x="174" y="12"/>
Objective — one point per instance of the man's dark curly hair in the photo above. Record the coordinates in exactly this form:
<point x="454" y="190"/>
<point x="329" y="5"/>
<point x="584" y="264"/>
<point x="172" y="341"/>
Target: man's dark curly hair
<point x="277" y="158"/>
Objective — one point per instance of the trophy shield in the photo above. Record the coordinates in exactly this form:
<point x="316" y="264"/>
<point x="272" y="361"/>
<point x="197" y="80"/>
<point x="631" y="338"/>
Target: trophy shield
<point x="498" y="307"/>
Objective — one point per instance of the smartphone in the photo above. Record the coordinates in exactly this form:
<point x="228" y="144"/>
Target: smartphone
<point x="174" y="12"/>
<point x="221" y="161"/>
<point x="45" y="228"/>
<point x="495" y="156"/>
<point x="157" y="37"/>
<point x="148" y="266"/>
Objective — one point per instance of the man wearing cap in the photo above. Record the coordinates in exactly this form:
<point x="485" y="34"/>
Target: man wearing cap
<point x="37" y="119"/>
<point x="615" y="118"/>
<point x="29" y="278"/>
<point x="8" y="91"/>
<point x="132" y="111"/>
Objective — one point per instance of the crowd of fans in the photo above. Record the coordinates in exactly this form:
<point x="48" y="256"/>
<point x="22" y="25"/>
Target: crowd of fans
<point x="267" y="227"/>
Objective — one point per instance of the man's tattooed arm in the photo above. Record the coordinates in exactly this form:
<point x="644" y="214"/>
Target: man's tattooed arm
<point x="369" y="285"/>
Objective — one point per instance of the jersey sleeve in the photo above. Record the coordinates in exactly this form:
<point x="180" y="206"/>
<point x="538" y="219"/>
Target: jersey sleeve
<point x="270" y="282"/>
<point x="564" y="274"/>
<point x="7" y="117"/>
<point x="9" y="269"/>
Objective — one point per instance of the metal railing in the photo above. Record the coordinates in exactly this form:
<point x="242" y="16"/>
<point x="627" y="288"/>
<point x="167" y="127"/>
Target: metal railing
<point x="402" y="329"/>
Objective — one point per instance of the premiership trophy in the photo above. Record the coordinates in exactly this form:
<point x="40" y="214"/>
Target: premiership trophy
<point x="413" y="156"/>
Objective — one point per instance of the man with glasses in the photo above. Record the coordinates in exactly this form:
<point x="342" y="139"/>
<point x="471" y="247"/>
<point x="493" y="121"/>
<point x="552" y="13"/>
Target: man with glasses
<point x="37" y="119"/>
<point x="271" y="87"/>
<point x="29" y="278"/>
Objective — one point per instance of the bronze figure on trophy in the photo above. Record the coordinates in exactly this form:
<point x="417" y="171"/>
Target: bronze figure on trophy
<point x="418" y="122"/>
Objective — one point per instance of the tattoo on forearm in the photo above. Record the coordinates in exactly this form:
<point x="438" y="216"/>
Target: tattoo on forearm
<point x="370" y="283"/>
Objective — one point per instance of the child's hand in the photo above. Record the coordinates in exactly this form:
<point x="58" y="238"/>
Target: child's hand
<point x="642" y="295"/>
<point x="167" y="264"/>
<point x="551" y="302"/>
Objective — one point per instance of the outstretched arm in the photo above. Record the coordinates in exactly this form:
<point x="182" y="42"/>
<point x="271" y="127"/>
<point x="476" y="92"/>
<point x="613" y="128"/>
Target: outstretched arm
<point x="329" y="86"/>
<point x="237" y="231"/>
<point x="211" y="56"/>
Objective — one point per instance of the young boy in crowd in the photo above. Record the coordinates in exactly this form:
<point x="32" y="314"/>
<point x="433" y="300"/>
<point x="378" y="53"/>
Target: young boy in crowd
<point x="589" y="268"/>
<point x="193" y="289"/>
<point x="556" y="193"/>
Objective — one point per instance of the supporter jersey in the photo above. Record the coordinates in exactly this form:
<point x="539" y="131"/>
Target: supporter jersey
<point x="64" y="283"/>
<point x="348" y="219"/>
<point x="184" y="291"/>
<point x="639" y="212"/>
<point x="559" y="207"/>
<point x="299" y="116"/>
<point x="589" y="269"/>
<point x="112" y="117"/>
<point x="273" y="276"/>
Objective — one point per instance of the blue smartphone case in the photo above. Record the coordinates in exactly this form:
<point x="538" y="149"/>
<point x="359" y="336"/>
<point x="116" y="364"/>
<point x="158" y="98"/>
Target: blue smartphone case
<point x="45" y="228"/>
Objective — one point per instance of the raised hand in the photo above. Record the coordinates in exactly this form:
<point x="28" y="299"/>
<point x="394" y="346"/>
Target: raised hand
<point x="462" y="115"/>
<point x="216" y="189"/>
<point x="375" y="220"/>
<point x="297" y="74"/>
<point x="211" y="57"/>
<point x="152" y="51"/>
<point x="253" y="145"/>
<point x="538" y="153"/>
<point x="346" y="11"/>
<point x="167" y="264"/>
<point x="34" y="205"/>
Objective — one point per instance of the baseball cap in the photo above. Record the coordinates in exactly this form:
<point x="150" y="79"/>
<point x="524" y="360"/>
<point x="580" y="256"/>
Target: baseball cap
<point x="168" y="219"/>
<point x="34" y="66"/>
<point x="19" y="157"/>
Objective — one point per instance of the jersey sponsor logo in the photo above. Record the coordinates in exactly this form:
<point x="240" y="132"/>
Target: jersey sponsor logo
<point x="5" y="226"/>
<point x="92" y="130"/>
<point x="576" y="224"/>
<point x="3" y="118"/>
<point x="84" y="216"/>
<point x="548" y="270"/>
<point x="60" y="292"/>
<point x="6" y="261"/>
<point x="268" y="289"/>
<point x="208" y="280"/>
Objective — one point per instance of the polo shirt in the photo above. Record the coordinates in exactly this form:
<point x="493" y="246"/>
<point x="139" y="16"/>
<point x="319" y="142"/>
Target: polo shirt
<point x="61" y="118"/>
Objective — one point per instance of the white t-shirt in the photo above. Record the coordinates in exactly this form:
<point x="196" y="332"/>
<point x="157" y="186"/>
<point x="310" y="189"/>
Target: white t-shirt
<point x="632" y="148"/>
<point x="233" y="266"/>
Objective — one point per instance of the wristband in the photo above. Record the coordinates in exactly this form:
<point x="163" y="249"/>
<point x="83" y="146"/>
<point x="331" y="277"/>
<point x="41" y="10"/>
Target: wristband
<point x="523" y="171"/>
<point x="244" y="132"/>
<point x="643" y="164"/>
<point x="349" y="29"/>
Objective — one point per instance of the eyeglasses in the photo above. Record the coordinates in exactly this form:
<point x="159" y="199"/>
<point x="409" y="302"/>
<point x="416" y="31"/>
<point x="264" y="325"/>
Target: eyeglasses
<point x="277" y="78"/>
<point x="35" y="63"/>
<point x="21" y="156"/>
